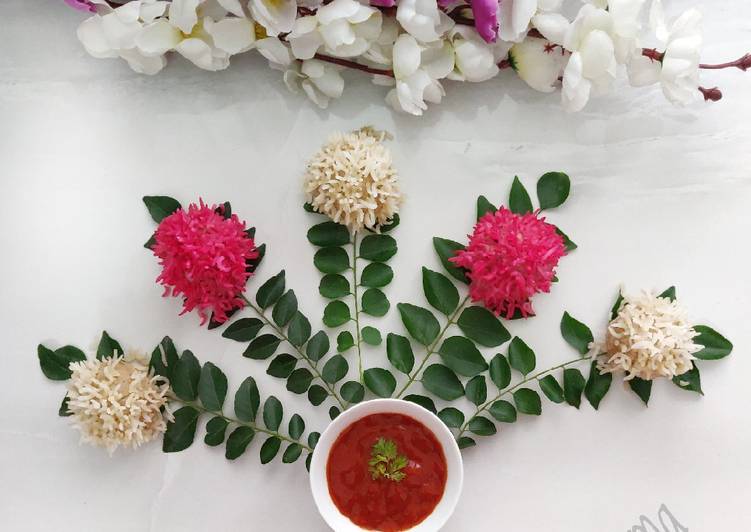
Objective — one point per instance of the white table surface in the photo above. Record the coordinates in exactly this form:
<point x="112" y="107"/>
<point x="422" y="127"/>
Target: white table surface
<point x="660" y="196"/>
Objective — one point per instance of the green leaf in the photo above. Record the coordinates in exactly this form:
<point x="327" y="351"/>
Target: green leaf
<point x="296" y="427"/>
<point x="331" y="260"/>
<point x="238" y="441"/>
<point x="476" y="390"/>
<point x="642" y="388"/>
<point x="262" y="347"/>
<point x="270" y="449"/>
<point x="216" y="429"/>
<point x="307" y="207"/>
<point x="353" y="392"/>
<point x="518" y="200"/>
<point x="298" y="331"/>
<point x="161" y="206"/>
<point x="447" y="249"/>
<point x="181" y="431"/>
<point x="63" y="410"/>
<point x="380" y="381"/>
<point x="500" y="371"/>
<point x="503" y="411"/>
<point x="55" y="364"/>
<point x="616" y="306"/>
<point x="212" y="387"/>
<point x="399" y="352"/>
<point x="391" y="225"/>
<point x="376" y="275"/>
<point x="597" y="385"/>
<point x="669" y="293"/>
<point x="108" y="347"/>
<point x="375" y="302"/>
<point x="328" y="234"/>
<point x="715" y="345"/>
<point x="334" y="286"/>
<point x="378" y="248"/>
<point x="185" y="377"/>
<point x="419" y="322"/>
<point x="521" y="356"/>
<point x="313" y="438"/>
<point x="689" y="381"/>
<point x="573" y="386"/>
<point x="317" y="346"/>
<point x="334" y="413"/>
<point x="484" y="207"/>
<point x="442" y="382"/>
<point x="272" y="413"/>
<point x="452" y="417"/>
<point x="576" y="333"/>
<point x="150" y="242"/>
<point x="282" y="366"/>
<point x="335" y="369"/>
<point x="462" y="356"/>
<point x="553" y="189"/>
<point x="344" y="341"/>
<point x="270" y="291"/>
<point x="371" y="335"/>
<point x="481" y="325"/>
<point x="243" y="330"/>
<point x="247" y="400"/>
<point x="425" y="402"/>
<point x="285" y="308"/>
<point x="336" y="314"/>
<point x="528" y="402"/>
<point x="481" y="426"/>
<point x="465" y="441"/>
<point x="317" y="395"/>
<point x="164" y="358"/>
<point x="439" y="291"/>
<point x="552" y="390"/>
<point x="292" y="453"/>
<point x="568" y="244"/>
<point x="299" y="380"/>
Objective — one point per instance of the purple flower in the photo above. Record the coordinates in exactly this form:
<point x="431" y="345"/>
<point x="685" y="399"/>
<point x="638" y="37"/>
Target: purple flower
<point x="486" y="18"/>
<point x="383" y="3"/>
<point x="81" y="5"/>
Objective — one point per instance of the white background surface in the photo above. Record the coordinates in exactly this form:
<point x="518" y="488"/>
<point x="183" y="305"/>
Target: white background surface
<point x="660" y="196"/>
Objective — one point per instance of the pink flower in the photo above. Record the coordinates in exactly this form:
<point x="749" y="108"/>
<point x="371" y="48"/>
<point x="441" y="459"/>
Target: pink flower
<point x="203" y="256"/>
<point x="81" y="5"/>
<point x="485" y="13"/>
<point x="510" y="257"/>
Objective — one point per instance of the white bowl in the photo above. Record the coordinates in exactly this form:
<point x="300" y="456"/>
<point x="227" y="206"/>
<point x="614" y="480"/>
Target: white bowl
<point x="455" y="474"/>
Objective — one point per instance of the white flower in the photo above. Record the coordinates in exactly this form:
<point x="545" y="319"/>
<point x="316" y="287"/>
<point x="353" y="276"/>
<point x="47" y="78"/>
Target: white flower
<point x="475" y="59"/>
<point x="649" y="338"/>
<point x="277" y="16"/>
<point x="345" y="28"/>
<point x="417" y="69"/>
<point x="381" y="50"/>
<point x="678" y="73"/>
<point x="422" y="19"/>
<point x="352" y="181"/>
<point x="320" y="81"/>
<point x="116" y="401"/>
<point x="206" y="43"/>
<point x="278" y="55"/>
<point x="538" y="62"/>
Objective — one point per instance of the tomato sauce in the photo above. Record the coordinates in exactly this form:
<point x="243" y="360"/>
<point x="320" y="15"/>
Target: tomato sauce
<point x="384" y="504"/>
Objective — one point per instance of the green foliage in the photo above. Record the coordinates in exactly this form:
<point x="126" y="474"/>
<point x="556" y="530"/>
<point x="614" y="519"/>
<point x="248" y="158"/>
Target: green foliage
<point x="420" y="323"/>
<point x="715" y="346"/>
<point x="371" y="335"/>
<point x="553" y="189"/>
<point x="185" y="378"/>
<point x="328" y="234"/>
<point x="386" y="462"/>
<point x="262" y="347"/>
<point x="422" y="400"/>
<point x="380" y="381"/>
<point x="689" y="381"/>
<point x="285" y="308"/>
<point x="519" y="201"/>
<point x="642" y="388"/>
<point x="573" y="386"/>
<point x="243" y="330"/>
<point x="334" y="286"/>
<point x="378" y="248"/>
<point x="528" y="402"/>
<point x="439" y="291"/>
<point x="270" y="291"/>
<point x="447" y="249"/>
<point x="597" y="385"/>
<point x="375" y="303"/>
<point x="476" y="390"/>
<point x="336" y="314"/>
<point x="462" y="356"/>
<point x="376" y="275"/>
<point x="331" y="260"/>
<point x="55" y="364"/>
<point x="500" y="371"/>
<point x="521" y="356"/>
<point x="484" y="207"/>
<point x="481" y="325"/>
<point x="442" y="382"/>
<point x="399" y="352"/>
<point x="161" y="206"/>
<point x="576" y="333"/>
<point x="108" y="347"/>
<point x="552" y="390"/>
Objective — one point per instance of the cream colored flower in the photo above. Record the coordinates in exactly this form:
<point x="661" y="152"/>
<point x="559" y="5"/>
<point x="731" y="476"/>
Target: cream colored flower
<point x="352" y="181"/>
<point x="117" y="401"/>
<point x="649" y="338"/>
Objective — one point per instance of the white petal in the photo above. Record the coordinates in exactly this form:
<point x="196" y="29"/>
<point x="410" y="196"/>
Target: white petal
<point x="337" y="33"/>
<point x="277" y="16"/>
<point x="91" y="34"/>
<point x="329" y="81"/>
<point x="129" y="12"/>
<point x="306" y="45"/>
<point x="411" y="92"/>
<point x="657" y="21"/>
<point x="201" y="54"/>
<point x="158" y="38"/>
<point x="153" y="10"/>
<point x="643" y="71"/>
<point x="576" y="89"/>
<point x="420" y="18"/>
<point x="121" y="35"/>
<point x="317" y="97"/>
<point x="406" y="56"/>
<point x="521" y="14"/>
<point x="598" y="55"/>
<point x="183" y="15"/>
<point x="475" y="59"/>
<point x="233" y="6"/>
<point x="232" y="34"/>
<point x="536" y="64"/>
<point x="336" y="10"/>
<point x="438" y="61"/>
<point x="143" y="64"/>
<point x="274" y="50"/>
<point x="434" y="92"/>
<point x="553" y="26"/>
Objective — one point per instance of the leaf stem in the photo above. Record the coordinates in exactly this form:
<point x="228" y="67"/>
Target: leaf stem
<point x="433" y="346"/>
<point x="357" y="308"/>
<point x="511" y="389"/>
<point x="331" y="391"/>
<point x="201" y="408"/>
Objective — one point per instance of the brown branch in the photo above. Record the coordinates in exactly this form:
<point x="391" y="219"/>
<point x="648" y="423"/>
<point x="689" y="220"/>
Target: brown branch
<point x="354" y="65"/>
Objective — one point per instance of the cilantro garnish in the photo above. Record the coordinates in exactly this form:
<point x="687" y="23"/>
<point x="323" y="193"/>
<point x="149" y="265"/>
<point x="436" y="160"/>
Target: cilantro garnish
<point x="385" y="461"/>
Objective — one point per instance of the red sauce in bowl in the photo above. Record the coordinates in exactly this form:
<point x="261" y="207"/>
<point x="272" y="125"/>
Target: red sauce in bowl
<point x="383" y="504"/>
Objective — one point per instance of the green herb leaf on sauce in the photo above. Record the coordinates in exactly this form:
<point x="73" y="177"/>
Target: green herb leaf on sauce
<point x="386" y="462"/>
